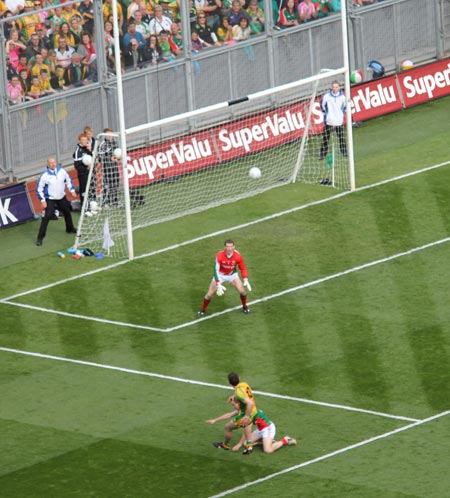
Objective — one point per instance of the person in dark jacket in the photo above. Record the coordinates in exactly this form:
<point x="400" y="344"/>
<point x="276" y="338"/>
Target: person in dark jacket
<point x="134" y="57"/>
<point x="82" y="160"/>
<point x="77" y="74"/>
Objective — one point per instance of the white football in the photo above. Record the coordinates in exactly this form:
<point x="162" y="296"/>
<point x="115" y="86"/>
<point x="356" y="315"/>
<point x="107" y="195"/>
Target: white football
<point x="94" y="206"/>
<point x="86" y="160"/>
<point x="117" y="153"/>
<point x="254" y="173"/>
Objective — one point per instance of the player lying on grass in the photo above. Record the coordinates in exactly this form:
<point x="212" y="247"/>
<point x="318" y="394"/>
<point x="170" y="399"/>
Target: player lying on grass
<point x="226" y="265"/>
<point x="263" y="434"/>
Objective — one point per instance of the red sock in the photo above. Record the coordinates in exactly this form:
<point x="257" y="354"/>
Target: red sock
<point x="244" y="299"/>
<point x="205" y="303"/>
<point x="284" y="441"/>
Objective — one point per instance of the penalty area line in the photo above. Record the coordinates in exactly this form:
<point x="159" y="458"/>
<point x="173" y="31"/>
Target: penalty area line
<point x="235" y="308"/>
<point x="314" y="282"/>
<point x="64" y="281"/>
<point x="197" y="382"/>
<point x="82" y="317"/>
<point x="331" y="455"/>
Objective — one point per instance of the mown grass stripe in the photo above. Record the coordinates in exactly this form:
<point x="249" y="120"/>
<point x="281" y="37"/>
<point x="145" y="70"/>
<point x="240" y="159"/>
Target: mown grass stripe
<point x="199" y="383"/>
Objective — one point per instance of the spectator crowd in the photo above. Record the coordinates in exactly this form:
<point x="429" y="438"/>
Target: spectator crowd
<point x="51" y="47"/>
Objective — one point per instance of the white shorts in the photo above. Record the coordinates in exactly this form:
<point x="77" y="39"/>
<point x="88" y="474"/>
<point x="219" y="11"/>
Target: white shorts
<point x="227" y="278"/>
<point x="267" y="432"/>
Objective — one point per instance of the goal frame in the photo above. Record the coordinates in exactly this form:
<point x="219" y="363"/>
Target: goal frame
<point x="124" y="132"/>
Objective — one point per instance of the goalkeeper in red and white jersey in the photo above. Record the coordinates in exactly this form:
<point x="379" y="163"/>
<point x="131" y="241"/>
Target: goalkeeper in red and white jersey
<point x="226" y="267"/>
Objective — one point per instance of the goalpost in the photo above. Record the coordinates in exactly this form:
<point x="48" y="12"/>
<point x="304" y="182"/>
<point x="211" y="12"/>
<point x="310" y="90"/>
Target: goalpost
<point x="201" y="159"/>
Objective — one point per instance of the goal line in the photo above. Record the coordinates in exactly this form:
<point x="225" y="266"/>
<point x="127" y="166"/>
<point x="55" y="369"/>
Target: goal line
<point x="224" y="231"/>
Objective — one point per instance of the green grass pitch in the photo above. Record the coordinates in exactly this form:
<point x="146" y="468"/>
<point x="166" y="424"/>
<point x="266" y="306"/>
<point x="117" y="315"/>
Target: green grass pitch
<point x="106" y="379"/>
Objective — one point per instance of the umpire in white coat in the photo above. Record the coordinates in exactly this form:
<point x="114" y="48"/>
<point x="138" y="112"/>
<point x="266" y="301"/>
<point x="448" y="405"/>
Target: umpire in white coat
<point x="333" y="106"/>
<point x="51" y="190"/>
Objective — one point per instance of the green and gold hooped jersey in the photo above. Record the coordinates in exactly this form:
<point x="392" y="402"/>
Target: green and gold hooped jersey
<point x="241" y="392"/>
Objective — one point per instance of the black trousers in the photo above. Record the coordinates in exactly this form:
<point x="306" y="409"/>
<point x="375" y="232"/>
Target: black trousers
<point x="326" y="138"/>
<point x="63" y="206"/>
<point x="83" y="174"/>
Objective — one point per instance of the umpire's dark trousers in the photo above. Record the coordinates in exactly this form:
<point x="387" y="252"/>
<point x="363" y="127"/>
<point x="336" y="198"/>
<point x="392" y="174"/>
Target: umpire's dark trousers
<point x="63" y="206"/>
<point x="326" y="138"/>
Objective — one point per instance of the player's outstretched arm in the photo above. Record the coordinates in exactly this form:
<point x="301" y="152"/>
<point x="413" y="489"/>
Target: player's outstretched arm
<point x="225" y="416"/>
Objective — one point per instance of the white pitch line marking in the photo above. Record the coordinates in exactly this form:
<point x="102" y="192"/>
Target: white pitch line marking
<point x="229" y="310"/>
<point x="200" y="383"/>
<point x="64" y="281"/>
<point x="330" y="455"/>
<point x="316" y="282"/>
<point x="83" y="317"/>
<point x="230" y="229"/>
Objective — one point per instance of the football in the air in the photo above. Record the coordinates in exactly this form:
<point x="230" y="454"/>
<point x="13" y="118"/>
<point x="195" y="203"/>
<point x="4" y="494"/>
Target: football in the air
<point x="406" y="64"/>
<point x="254" y="173"/>
<point x="86" y="160"/>
<point x="356" y="76"/>
<point x="117" y="153"/>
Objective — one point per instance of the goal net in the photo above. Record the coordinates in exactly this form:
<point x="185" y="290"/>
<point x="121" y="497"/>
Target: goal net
<point x="198" y="160"/>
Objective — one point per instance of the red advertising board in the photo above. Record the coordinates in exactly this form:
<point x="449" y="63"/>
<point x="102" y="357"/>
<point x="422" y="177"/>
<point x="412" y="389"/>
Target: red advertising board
<point x="425" y="83"/>
<point x="412" y="87"/>
<point x="273" y="128"/>
<point x="375" y="98"/>
<point x="221" y="144"/>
